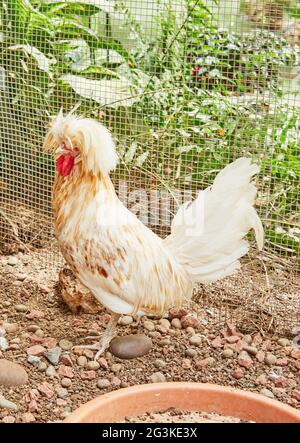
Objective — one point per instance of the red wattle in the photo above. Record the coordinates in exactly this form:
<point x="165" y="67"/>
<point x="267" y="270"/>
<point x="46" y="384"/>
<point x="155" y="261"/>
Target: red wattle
<point x="65" y="164"/>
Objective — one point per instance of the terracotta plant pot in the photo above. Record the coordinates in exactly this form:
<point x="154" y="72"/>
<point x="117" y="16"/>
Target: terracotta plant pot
<point x="137" y="400"/>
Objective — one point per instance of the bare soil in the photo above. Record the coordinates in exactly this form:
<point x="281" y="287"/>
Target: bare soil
<point x="260" y="301"/>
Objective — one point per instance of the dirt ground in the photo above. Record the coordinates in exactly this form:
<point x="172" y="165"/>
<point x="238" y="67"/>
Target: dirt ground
<point x="259" y="298"/>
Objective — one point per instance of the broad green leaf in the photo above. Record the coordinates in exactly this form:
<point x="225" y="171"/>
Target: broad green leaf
<point x="42" y="61"/>
<point x="112" y="93"/>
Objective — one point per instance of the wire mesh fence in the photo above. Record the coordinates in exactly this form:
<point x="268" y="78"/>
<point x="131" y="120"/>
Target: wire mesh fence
<point x="185" y="86"/>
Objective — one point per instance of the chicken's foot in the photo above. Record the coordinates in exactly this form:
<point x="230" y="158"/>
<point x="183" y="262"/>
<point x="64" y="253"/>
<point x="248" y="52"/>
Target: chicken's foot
<point x="105" y="339"/>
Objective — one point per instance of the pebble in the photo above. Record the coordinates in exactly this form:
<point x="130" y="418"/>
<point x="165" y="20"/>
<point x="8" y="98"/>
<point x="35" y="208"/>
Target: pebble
<point x="13" y="260"/>
<point x="65" y="371"/>
<point x="66" y="345"/>
<point x="176" y="323"/>
<point x="177" y="313"/>
<point x="238" y="373"/>
<point x="21" y="277"/>
<point x="200" y="364"/>
<point x="88" y="375"/>
<point x="190" y="352"/>
<point x="82" y="361"/>
<point x="157" y="377"/>
<point x="295" y="353"/>
<point x="66" y="359"/>
<point x="283" y="342"/>
<point x="33" y="360"/>
<point x="45" y="389"/>
<point x="270" y="359"/>
<point x="88" y="353"/>
<point x="53" y="355"/>
<point x="195" y="340"/>
<point x="165" y="322"/>
<point x="160" y="364"/>
<point x="130" y="346"/>
<point x="149" y="325"/>
<point x="7" y="404"/>
<point x="247" y="339"/>
<point x="266" y="392"/>
<point x="42" y="366"/>
<point x="12" y="374"/>
<point x="27" y="417"/>
<point x="244" y="360"/>
<point x="32" y="328"/>
<point x="164" y="342"/>
<point x="11" y="328"/>
<point x="115" y="381"/>
<point x="21" y="308"/>
<point x="186" y="363"/>
<point x="62" y="392"/>
<point x="51" y="371"/>
<point x="189" y="320"/>
<point x="2" y="332"/>
<point x="116" y="367"/>
<point x="35" y="314"/>
<point x="36" y="350"/>
<point x="103" y="383"/>
<point x="125" y="320"/>
<point x="261" y="380"/>
<point x="93" y="365"/>
<point x="3" y="344"/>
<point x="66" y="382"/>
<point x="227" y="353"/>
<point x="260" y="356"/>
<point x="252" y="350"/>
<point x="217" y="342"/>
<point x="8" y="419"/>
<point x="39" y="333"/>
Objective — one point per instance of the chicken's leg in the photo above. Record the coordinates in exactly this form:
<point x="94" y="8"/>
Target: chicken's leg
<point x="105" y="339"/>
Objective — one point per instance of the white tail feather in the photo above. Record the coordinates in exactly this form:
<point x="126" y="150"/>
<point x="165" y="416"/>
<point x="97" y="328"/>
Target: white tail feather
<point x="207" y="235"/>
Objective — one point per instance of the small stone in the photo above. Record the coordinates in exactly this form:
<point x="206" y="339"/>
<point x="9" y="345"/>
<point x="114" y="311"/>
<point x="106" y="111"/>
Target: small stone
<point x="162" y="329"/>
<point x="12" y="261"/>
<point x="8" y="419"/>
<point x="227" y="353"/>
<point x="88" y="375"/>
<point x="125" y="320"/>
<point x="65" y="371"/>
<point x="296" y="395"/>
<point x="82" y="361"/>
<point x="50" y="342"/>
<point x="283" y="342"/>
<point x="261" y="380"/>
<point x="190" y="330"/>
<point x="195" y="340"/>
<point x="32" y="328"/>
<point x="260" y="356"/>
<point x="42" y="366"/>
<point x="217" y="342"/>
<point x="270" y="359"/>
<point x="266" y="392"/>
<point x="247" y="339"/>
<point x="7" y="404"/>
<point x="93" y="365"/>
<point x="177" y="313"/>
<point x="252" y="350"/>
<point x="45" y="389"/>
<point x="186" y="363"/>
<point x="65" y="359"/>
<point x="116" y="367"/>
<point x="149" y="325"/>
<point x="21" y="308"/>
<point x="238" y="373"/>
<point x="2" y="332"/>
<point x="115" y="381"/>
<point x="3" y="344"/>
<point x="12" y="374"/>
<point x="103" y="383"/>
<point x="244" y="360"/>
<point x="66" y="345"/>
<point x="33" y="360"/>
<point x="176" y="323"/>
<point x="295" y="353"/>
<point x="103" y="363"/>
<point x="200" y="364"/>
<point x="160" y="364"/>
<point x="189" y="320"/>
<point x="39" y="333"/>
<point x="282" y="362"/>
<point x="157" y="377"/>
<point x="130" y="346"/>
<point x="11" y="328"/>
<point x="51" y="371"/>
<point x="27" y="417"/>
<point x="165" y="323"/>
<point x="36" y="350"/>
<point x="190" y="352"/>
<point x="62" y="392"/>
<point x="164" y="342"/>
<point x="281" y="382"/>
<point x="66" y="382"/>
<point x="53" y="355"/>
<point x="88" y="353"/>
<point x="35" y="314"/>
<point x="232" y="339"/>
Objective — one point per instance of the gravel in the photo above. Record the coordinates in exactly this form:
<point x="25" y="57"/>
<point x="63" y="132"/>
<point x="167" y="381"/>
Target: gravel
<point x="157" y="377"/>
<point x="103" y="383"/>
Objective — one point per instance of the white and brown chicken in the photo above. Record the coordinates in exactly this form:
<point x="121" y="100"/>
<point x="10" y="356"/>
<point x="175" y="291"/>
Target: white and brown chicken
<point x="128" y="268"/>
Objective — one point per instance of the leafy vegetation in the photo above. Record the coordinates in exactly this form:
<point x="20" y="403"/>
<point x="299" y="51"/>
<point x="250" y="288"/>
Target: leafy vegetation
<point x="182" y="102"/>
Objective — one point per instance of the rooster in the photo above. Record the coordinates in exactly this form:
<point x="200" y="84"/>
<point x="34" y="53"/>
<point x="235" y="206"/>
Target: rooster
<point x="128" y="268"/>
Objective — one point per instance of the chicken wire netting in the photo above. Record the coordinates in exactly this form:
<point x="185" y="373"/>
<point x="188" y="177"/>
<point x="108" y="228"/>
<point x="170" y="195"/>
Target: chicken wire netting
<point x="185" y="86"/>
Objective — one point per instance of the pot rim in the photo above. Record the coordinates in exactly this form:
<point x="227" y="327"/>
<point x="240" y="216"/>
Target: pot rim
<point x="224" y="394"/>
